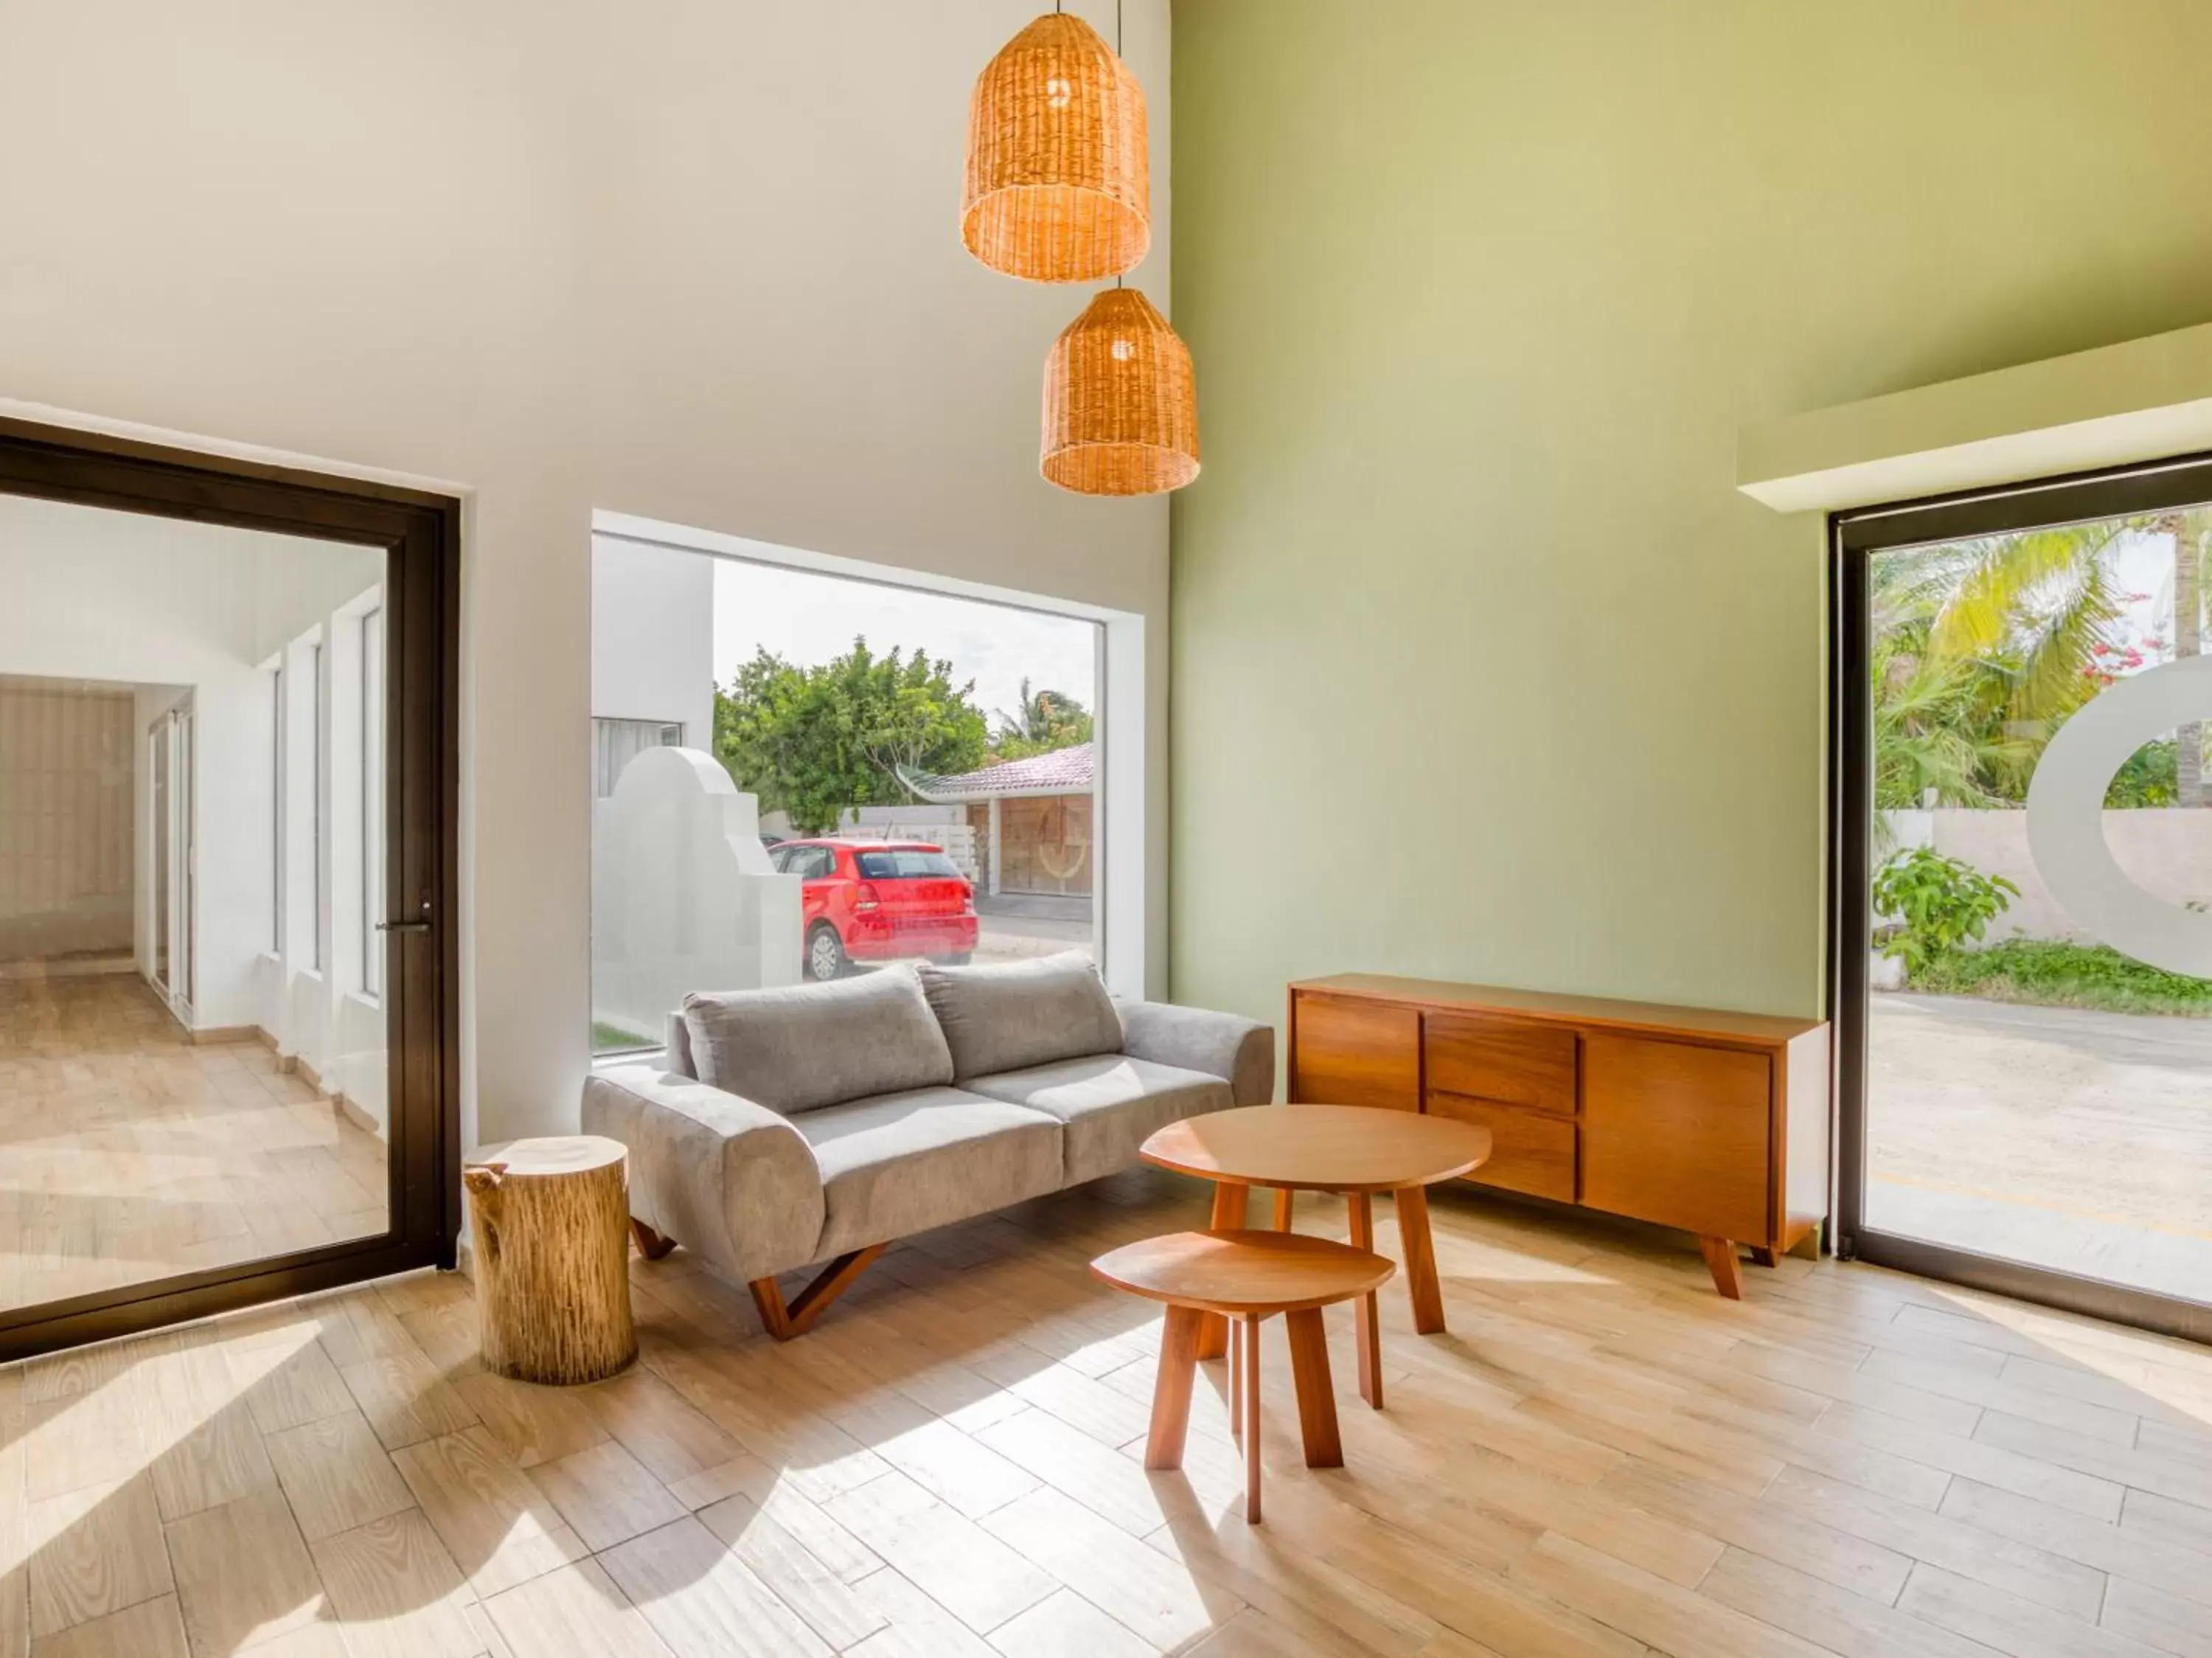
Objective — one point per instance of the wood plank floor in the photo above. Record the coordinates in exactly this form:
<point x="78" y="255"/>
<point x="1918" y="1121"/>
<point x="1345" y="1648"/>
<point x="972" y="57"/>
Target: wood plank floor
<point x="1601" y="1460"/>
<point x="132" y="1155"/>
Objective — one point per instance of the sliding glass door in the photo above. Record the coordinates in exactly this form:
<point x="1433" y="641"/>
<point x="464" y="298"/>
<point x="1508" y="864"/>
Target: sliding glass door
<point x="2024" y="890"/>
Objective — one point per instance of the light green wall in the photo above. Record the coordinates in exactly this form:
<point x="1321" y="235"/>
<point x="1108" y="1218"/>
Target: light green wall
<point x="1482" y="668"/>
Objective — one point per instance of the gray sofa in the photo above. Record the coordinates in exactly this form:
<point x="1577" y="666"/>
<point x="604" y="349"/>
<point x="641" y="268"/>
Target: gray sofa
<point x="820" y="1123"/>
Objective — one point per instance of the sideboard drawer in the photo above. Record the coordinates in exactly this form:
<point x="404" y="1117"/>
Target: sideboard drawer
<point x="1531" y="1151"/>
<point x="1517" y="1061"/>
<point x="1348" y="1051"/>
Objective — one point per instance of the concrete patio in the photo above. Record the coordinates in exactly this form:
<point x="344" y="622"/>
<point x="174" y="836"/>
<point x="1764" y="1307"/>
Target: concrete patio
<point x="2069" y="1139"/>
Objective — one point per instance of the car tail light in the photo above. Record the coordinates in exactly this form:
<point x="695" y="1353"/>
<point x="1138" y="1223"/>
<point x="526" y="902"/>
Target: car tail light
<point x="866" y="897"/>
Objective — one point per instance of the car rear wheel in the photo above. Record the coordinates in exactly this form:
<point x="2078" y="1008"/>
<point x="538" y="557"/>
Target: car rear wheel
<point x="825" y="953"/>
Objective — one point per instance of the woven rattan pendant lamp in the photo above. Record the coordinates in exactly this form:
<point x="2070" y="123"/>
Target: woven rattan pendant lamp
<point x="1058" y="187"/>
<point x="1121" y="402"/>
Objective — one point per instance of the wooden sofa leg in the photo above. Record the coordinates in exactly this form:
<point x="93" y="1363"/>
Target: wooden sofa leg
<point x="784" y="1322"/>
<point x="650" y="1244"/>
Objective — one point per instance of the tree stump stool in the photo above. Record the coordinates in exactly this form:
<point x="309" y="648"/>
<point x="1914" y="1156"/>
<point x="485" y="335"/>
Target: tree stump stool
<point x="550" y="1220"/>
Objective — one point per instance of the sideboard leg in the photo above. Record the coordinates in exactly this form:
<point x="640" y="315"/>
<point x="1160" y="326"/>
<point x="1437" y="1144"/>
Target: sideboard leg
<point x="1761" y="1256"/>
<point x="1727" y="1270"/>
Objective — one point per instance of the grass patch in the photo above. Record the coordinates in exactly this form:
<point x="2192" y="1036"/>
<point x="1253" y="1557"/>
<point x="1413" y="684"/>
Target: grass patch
<point x="2047" y="974"/>
<point x="613" y="1038"/>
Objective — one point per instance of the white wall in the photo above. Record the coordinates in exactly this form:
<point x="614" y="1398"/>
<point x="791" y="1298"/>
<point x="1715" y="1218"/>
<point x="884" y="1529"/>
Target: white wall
<point x="684" y="897"/>
<point x="653" y="636"/>
<point x="693" y="259"/>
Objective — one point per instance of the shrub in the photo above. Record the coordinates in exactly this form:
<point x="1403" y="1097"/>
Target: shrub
<point x="1940" y="904"/>
<point x="2055" y="973"/>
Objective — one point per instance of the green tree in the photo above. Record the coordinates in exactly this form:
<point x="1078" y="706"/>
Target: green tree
<point x="812" y="741"/>
<point x="1047" y="720"/>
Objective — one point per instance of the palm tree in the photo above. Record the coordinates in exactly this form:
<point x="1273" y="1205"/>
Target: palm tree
<point x="1046" y="720"/>
<point x="2045" y="600"/>
<point x="1982" y="649"/>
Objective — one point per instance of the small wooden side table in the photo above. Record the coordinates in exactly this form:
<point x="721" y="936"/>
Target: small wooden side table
<point x="1357" y="1150"/>
<point x="550" y="1222"/>
<point x="1246" y="1276"/>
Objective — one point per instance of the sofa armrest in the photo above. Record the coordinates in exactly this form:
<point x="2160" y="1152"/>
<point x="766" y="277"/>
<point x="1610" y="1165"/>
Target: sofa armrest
<point x="721" y="1175"/>
<point x="1241" y="1051"/>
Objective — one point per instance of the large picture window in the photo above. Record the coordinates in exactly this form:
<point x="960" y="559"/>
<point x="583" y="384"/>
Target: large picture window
<point x="891" y="775"/>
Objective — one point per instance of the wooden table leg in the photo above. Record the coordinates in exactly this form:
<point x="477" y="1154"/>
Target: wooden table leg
<point x="1249" y="1385"/>
<point x="1762" y="1256"/>
<point x="1235" y="1380"/>
<point x="1727" y="1270"/>
<point x="1369" y="1338"/>
<point x="1421" y="1252"/>
<point x="1171" y="1390"/>
<point x="1230" y="1211"/>
<point x="1282" y="1209"/>
<point x="1316" y="1399"/>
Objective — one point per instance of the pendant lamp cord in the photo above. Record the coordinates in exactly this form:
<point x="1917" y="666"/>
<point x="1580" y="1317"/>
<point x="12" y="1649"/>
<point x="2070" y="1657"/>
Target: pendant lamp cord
<point x="1117" y="52"/>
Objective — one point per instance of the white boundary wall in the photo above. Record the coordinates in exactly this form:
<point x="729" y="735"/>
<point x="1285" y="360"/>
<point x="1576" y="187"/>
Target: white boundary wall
<point x="2167" y="852"/>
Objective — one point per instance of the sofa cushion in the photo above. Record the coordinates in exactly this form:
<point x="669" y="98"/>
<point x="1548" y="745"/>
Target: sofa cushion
<point x="804" y="1046"/>
<point x="1012" y="1014"/>
<point x="905" y="1162"/>
<point x="1109" y="1102"/>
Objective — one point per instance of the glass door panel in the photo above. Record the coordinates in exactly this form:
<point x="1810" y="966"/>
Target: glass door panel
<point x="193" y="1037"/>
<point x="2028" y="834"/>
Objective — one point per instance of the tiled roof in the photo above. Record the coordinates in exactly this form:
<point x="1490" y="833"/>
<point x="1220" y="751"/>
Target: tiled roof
<point x="1063" y="771"/>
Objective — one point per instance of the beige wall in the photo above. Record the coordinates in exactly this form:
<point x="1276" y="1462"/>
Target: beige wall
<point x="65" y="801"/>
<point x="695" y="262"/>
<point x="1480" y="292"/>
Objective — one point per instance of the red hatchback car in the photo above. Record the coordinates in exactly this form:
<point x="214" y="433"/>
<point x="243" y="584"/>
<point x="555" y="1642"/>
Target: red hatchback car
<point x="874" y="900"/>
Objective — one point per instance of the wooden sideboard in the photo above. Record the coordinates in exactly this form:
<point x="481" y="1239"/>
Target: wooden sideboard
<point x="1715" y="1122"/>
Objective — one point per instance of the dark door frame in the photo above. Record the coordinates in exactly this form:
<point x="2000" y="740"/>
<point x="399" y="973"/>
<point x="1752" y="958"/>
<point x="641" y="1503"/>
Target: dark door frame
<point x="1853" y="537"/>
<point x="419" y="534"/>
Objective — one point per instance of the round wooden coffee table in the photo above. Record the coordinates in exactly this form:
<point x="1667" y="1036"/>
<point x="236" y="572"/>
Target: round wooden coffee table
<point x="1357" y="1150"/>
